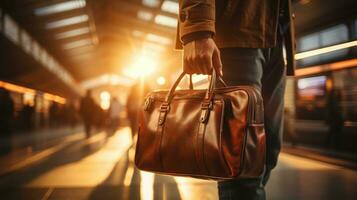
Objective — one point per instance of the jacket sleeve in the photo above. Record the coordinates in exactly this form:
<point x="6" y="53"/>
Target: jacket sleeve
<point x="196" y="16"/>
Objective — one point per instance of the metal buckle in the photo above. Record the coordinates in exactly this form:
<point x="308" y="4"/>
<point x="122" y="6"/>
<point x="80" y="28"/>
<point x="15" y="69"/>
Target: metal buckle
<point x="165" y="107"/>
<point x="207" y="105"/>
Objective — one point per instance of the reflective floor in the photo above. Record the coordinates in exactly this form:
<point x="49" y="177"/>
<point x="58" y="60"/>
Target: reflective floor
<point x="101" y="167"/>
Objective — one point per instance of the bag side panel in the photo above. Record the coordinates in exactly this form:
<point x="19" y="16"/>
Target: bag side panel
<point x="255" y="148"/>
<point x="146" y="154"/>
<point x="234" y="129"/>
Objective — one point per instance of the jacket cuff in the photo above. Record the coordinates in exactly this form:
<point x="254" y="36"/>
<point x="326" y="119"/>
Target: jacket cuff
<point x="196" y="16"/>
<point x="196" y="36"/>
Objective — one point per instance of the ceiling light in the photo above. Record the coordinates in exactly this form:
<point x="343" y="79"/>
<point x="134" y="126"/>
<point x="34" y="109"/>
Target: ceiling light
<point x="151" y="3"/>
<point x="166" y="21"/>
<point x="158" y="39"/>
<point x="77" y="43"/>
<point x="170" y="6"/>
<point x="323" y="50"/>
<point x="144" y="15"/>
<point x="72" y="33"/>
<point x="67" y="21"/>
<point x="60" y="7"/>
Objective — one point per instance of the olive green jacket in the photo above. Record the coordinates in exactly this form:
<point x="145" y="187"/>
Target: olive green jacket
<point x="239" y="23"/>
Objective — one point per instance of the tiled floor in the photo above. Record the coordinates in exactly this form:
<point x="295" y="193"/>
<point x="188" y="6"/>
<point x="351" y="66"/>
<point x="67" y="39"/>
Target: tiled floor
<point x="102" y="168"/>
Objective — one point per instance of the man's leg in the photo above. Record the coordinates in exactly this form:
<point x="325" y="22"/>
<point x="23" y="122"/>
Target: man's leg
<point x="242" y="66"/>
<point x="263" y="68"/>
<point x="273" y="89"/>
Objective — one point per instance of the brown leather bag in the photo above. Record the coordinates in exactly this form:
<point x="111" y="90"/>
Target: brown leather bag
<point x="211" y="134"/>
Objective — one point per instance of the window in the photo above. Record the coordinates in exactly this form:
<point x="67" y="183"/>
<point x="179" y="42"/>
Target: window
<point x="166" y="21"/>
<point x="306" y="43"/>
<point x="170" y="6"/>
<point x="67" y="21"/>
<point x="331" y="36"/>
<point x="144" y="15"/>
<point x="51" y="63"/>
<point x="11" y="29"/>
<point x="325" y="38"/>
<point x="78" y="43"/>
<point x="44" y="58"/>
<point x="60" y="7"/>
<point x="151" y="3"/>
<point x="25" y="41"/>
<point x="72" y="33"/>
<point x="36" y="50"/>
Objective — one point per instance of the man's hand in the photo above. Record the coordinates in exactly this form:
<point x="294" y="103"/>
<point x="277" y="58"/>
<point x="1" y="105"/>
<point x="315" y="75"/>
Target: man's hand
<point x="201" y="56"/>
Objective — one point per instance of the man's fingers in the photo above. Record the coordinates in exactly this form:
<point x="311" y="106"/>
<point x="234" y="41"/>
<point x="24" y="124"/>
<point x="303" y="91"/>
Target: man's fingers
<point x="217" y="63"/>
<point x="186" y="66"/>
<point x="207" y="60"/>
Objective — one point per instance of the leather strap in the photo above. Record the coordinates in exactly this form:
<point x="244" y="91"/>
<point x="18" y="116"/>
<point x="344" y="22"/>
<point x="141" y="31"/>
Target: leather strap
<point x="191" y="82"/>
<point x="164" y="109"/>
<point x="200" y="155"/>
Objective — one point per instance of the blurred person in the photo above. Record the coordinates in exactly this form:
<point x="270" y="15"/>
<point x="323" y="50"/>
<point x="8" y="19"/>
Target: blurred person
<point x="88" y="112"/>
<point x="242" y="40"/>
<point x="6" y="112"/>
<point x="334" y="118"/>
<point x="114" y="113"/>
<point x="134" y="101"/>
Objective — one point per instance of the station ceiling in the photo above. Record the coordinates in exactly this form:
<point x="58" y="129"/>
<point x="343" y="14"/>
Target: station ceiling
<point x="95" y="37"/>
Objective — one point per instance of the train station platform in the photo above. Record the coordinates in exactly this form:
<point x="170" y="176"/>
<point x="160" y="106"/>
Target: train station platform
<point x="101" y="167"/>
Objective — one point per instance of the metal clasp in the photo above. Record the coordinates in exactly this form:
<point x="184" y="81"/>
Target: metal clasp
<point x="207" y="105"/>
<point x="206" y="108"/>
<point x="165" y="107"/>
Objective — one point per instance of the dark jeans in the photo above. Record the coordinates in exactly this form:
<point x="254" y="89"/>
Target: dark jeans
<point x="265" y="69"/>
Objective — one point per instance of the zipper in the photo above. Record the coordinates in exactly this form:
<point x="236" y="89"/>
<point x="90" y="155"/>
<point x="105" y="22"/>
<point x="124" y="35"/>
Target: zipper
<point x="252" y="99"/>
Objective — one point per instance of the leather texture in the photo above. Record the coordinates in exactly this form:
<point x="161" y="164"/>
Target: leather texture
<point x="211" y="134"/>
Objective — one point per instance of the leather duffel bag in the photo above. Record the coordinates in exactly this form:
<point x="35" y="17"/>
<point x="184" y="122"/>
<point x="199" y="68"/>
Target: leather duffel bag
<point x="216" y="133"/>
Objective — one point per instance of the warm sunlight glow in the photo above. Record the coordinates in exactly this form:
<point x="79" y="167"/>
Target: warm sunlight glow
<point x="142" y="66"/>
<point x="161" y="80"/>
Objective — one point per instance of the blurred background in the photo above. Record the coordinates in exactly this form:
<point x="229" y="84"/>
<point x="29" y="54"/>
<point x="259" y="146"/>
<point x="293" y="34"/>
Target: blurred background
<point x="73" y="74"/>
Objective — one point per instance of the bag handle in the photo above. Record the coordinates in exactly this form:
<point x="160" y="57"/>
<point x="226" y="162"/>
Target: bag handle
<point x="209" y="93"/>
<point x="206" y="104"/>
